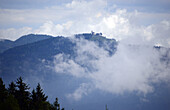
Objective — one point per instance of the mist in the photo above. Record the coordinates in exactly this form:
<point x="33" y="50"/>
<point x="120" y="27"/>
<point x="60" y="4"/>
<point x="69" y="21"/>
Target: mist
<point x="133" y="68"/>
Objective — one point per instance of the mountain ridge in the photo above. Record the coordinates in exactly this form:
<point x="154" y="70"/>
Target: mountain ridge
<point x="34" y="61"/>
<point x="14" y="58"/>
<point x="26" y="39"/>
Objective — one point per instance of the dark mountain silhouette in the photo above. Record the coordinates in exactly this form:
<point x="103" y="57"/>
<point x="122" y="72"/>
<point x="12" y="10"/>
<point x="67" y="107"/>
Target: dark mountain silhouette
<point x="26" y="39"/>
<point x="19" y="60"/>
<point x="30" y="39"/>
<point x="5" y="44"/>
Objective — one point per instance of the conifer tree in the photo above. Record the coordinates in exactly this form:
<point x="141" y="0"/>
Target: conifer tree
<point x="39" y="93"/>
<point x="106" y="108"/>
<point x="38" y="101"/>
<point x="22" y="94"/>
<point x="12" y="88"/>
<point x="7" y="101"/>
<point x="62" y="109"/>
<point x="56" y="104"/>
<point x="3" y="91"/>
<point x="10" y="103"/>
<point x="17" y="97"/>
<point x="33" y="100"/>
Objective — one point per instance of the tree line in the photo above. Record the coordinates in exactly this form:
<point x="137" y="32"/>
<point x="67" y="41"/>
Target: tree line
<point x="18" y="97"/>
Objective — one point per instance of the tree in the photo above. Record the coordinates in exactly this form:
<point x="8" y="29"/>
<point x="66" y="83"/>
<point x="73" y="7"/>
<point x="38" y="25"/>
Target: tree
<point x="38" y="101"/>
<point x="3" y="91"/>
<point x="10" y="103"/>
<point x="106" y="107"/>
<point x="17" y="97"/>
<point x="56" y="105"/>
<point x="22" y="94"/>
<point x="12" y="88"/>
<point x="33" y="100"/>
<point x="7" y="101"/>
<point x="39" y="93"/>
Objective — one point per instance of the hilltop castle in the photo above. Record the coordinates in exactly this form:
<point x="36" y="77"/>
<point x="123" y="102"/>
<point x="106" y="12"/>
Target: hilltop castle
<point x="93" y="33"/>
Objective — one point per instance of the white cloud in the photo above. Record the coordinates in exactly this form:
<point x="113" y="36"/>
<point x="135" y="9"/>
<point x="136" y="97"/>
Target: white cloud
<point x="52" y="29"/>
<point x="83" y="90"/>
<point x="133" y="68"/>
<point x="119" y="25"/>
<point x="64" y="65"/>
<point x="159" y="33"/>
<point x="13" y="33"/>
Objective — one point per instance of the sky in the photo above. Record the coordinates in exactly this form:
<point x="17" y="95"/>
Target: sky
<point x="117" y="19"/>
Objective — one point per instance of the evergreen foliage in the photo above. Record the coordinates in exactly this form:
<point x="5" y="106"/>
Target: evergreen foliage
<point x="38" y="101"/>
<point x="7" y="100"/>
<point x="10" y="103"/>
<point x="3" y="91"/>
<point x="22" y="94"/>
<point x="106" y="108"/>
<point x="56" y="105"/>
<point x="12" y="88"/>
<point x="18" y="97"/>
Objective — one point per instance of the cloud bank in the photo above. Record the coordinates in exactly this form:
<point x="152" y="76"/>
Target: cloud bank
<point x="133" y="68"/>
